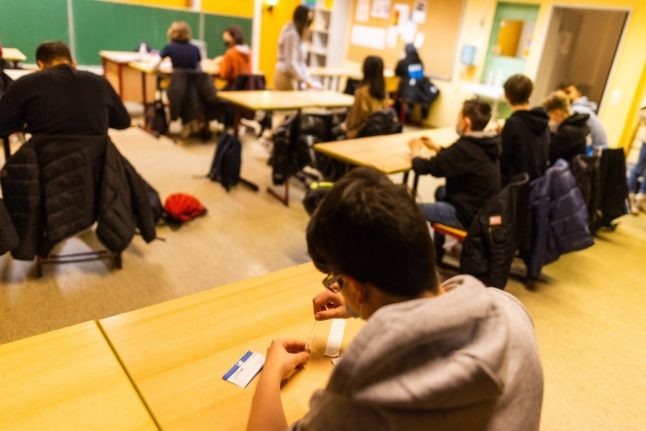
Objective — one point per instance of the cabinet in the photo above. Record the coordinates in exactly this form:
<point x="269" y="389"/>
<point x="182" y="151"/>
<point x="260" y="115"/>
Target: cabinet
<point x="326" y="44"/>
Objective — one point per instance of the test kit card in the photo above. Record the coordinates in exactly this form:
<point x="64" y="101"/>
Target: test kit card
<point x="243" y="372"/>
<point x="335" y="338"/>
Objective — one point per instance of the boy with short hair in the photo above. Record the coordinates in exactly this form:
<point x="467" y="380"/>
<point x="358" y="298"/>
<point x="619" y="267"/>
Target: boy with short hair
<point x="525" y="137"/>
<point x="581" y="104"/>
<point x="569" y="130"/>
<point x="450" y="356"/>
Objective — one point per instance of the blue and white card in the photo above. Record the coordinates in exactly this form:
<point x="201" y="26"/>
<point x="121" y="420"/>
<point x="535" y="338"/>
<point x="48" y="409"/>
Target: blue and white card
<point x="243" y="372"/>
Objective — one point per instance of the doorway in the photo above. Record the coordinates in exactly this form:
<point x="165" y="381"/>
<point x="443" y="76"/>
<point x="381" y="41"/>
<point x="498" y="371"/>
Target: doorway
<point x="580" y="48"/>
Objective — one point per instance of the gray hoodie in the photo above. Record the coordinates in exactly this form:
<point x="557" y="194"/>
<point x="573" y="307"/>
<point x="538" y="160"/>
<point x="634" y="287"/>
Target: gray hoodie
<point x="597" y="133"/>
<point x="291" y="54"/>
<point x="466" y="360"/>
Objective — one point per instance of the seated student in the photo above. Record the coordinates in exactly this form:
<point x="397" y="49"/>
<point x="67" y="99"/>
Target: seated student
<point x="191" y="94"/>
<point x="61" y="100"/>
<point x="470" y="167"/>
<point x="525" y="137"/>
<point x="569" y="131"/>
<point x="449" y="356"/>
<point x="581" y="104"/>
<point x="236" y="60"/>
<point x="369" y="97"/>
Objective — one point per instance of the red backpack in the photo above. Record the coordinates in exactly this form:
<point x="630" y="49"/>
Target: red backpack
<point x="180" y="208"/>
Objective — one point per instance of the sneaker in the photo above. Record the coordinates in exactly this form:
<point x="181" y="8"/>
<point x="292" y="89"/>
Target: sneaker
<point x="640" y="202"/>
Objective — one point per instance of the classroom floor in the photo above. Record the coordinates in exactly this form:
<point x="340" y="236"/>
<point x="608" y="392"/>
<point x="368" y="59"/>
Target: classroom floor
<point x="589" y="311"/>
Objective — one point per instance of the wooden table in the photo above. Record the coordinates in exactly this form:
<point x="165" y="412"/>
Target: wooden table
<point x="269" y="100"/>
<point x="126" y="80"/>
<point x="67" y="379"/>
<point x="389" y="153"/>
<point x="13" y="55"/>
<point x="177" y="352"/>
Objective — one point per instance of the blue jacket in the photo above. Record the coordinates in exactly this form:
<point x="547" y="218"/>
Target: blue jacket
<point x="559" y="218"/>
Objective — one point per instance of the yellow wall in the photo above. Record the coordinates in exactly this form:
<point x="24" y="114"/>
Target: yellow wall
<point x="243" y="8"/>
<point x="271" y="25"/>
<point x="615" y="111"/>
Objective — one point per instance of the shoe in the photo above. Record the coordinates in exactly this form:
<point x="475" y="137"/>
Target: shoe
<point x="641" y="202"/>
<point x="186" y="131"/>
<point x="632" y="204"/>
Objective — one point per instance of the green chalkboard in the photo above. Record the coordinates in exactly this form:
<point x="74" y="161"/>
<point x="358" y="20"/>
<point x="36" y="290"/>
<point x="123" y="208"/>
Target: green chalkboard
<point x="214" y="25"/>
<point x="102" y="25"/>
<point x="24" y="24"/>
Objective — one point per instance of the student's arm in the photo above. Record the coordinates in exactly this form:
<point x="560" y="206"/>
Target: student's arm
<point x="118" y="117"/>
<point x="355" y="119"/>
<point x="508" y="139"/>
<point x="11" y="111"/>
<point x="226" y="67"/>
<point x="447" y="163"/>
<point x="283" y="358"/>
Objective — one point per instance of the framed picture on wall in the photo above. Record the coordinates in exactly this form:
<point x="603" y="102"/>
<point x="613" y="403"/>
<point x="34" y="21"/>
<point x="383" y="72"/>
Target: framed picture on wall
<point x="380" y="9"/>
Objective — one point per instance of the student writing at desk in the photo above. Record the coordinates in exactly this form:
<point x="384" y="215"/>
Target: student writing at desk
<point x="60" y="100"/>
<point x="450" y="356"/>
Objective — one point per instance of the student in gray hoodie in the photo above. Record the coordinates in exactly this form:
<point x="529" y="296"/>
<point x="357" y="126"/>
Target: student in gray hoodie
<point x="450" y="356"/>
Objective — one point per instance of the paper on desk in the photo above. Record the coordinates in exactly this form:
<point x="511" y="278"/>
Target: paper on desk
<point x="243" y="372"/>
<point x="335" y="338"/>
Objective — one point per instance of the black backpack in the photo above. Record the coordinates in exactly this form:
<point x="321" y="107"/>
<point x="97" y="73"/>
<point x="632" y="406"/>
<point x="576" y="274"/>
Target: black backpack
<point x="156" y="118"/>
<point x="225" y="167"/>
<point x="383" y="122"/>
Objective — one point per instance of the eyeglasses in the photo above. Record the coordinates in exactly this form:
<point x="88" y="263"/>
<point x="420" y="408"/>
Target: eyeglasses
<point x="333" y="282"/>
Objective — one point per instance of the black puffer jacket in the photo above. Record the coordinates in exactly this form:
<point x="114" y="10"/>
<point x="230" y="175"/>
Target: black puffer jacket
<point x="57" y="186"/>
<point x="8" y="235"/>
<point x="192" y="95"/>
<point x="500" y="228"/>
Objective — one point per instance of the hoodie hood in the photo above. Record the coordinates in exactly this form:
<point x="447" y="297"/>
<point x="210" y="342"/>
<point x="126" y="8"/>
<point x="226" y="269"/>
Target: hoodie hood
<point x="584" y="101"/>
<point x="535" y="120"/>
<point x="488" y="141"/>
<point x="243" y="49"/>
<point x="438" y="353"/>
<point x="576" y="119"/>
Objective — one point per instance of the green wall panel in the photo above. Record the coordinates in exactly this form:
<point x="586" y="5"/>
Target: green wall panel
<point x="24" y="24"/>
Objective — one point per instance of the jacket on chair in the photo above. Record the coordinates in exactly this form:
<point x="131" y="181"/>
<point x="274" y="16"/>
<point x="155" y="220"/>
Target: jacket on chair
<point x="57" y="186"/>
<point x="191" y="95"/>
<point x="559" y="218"/>
<point x="500" y="228"/>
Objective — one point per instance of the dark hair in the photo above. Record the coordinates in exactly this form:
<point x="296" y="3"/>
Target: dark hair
<point x="518" y="88"/>
<point x="373" y="76"/>
<point x="301" y="18"/>
<point x="236" y="33"/>
<point x="47" y="52"/>
<point x="478" y="112"/>
<point x="372" y="230"/>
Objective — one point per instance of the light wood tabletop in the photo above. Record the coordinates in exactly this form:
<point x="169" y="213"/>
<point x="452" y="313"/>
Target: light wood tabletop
<point x="67" y="379"/>
<point x="13" y="54"/>
<point x="149" y="65"/>
<point x="270" y="100"/>
<point x="347" y="72"/>
<point x="177" y="352"/>
<point x="123" y="57"/>
<point x="388" y="153"/>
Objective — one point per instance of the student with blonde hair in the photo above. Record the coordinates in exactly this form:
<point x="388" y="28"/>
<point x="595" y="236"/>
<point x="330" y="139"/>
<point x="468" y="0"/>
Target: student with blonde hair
<point x="569" y="130"/>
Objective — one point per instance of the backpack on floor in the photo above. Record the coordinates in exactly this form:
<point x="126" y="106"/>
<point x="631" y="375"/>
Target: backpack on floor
<point x="314" y="195"/>
<point x="180" y="208"/>
<point x="225" y="167"/>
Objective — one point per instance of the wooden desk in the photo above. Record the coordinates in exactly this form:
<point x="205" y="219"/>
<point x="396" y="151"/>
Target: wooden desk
<point x="18" y="73"/>
<point x="389" y="153"/>
<point x="269" y="100"/>
<point x="177" y="352"/>
<point x="126" y="80"/>
<point x="13" y="55"/>
<point x="67" y="379"/>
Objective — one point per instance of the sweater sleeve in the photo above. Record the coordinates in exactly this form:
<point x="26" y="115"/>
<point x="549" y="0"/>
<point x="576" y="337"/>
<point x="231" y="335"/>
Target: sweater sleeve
<point x="292" y="57"/>
<point x="226" y="66"/>
<point x="118" y="117"/>
<point x="11" y="110"/>
<point x="357" y="115"/>
<point x="447" y="163"/>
